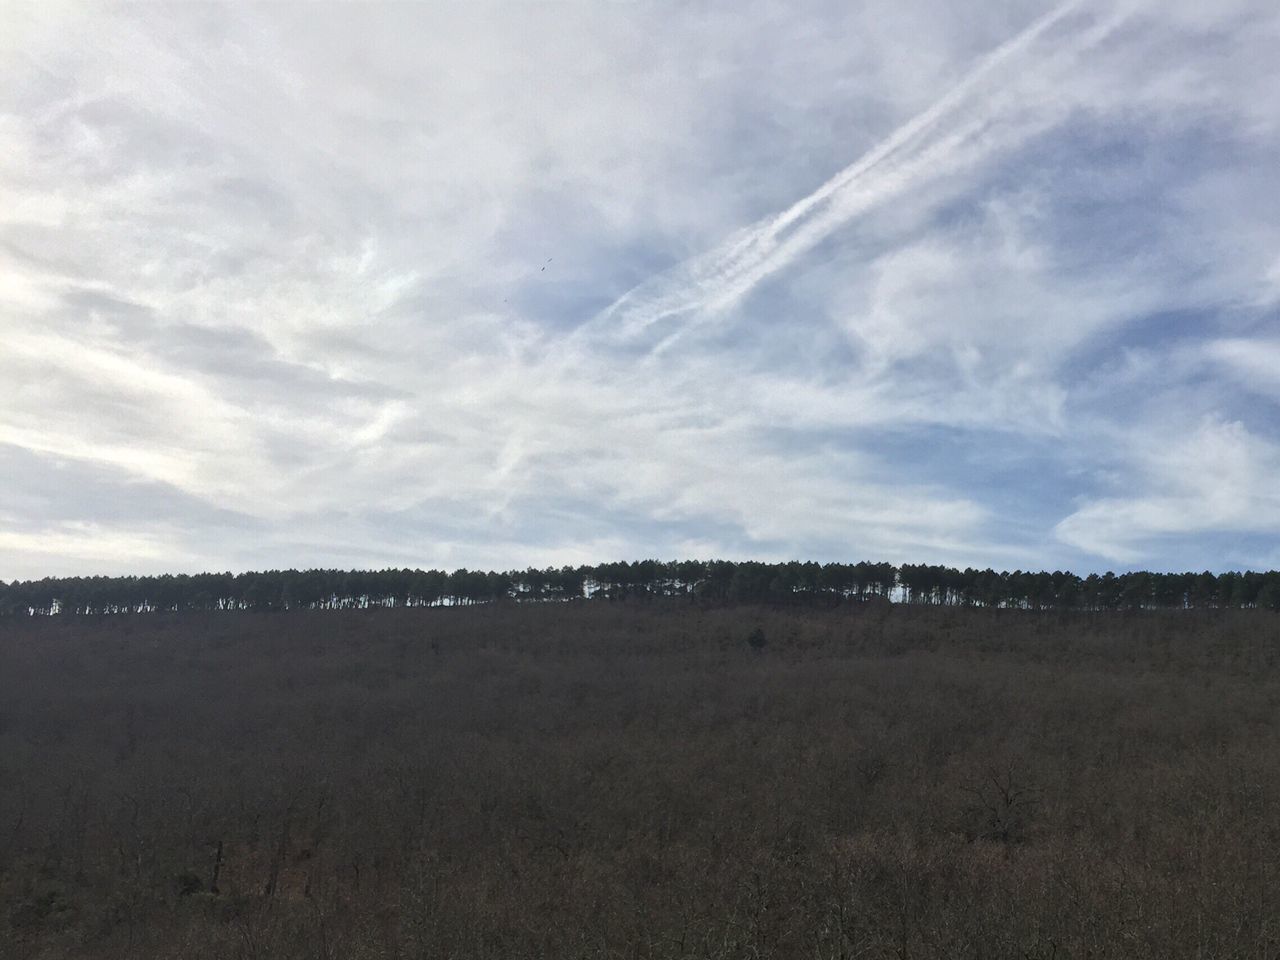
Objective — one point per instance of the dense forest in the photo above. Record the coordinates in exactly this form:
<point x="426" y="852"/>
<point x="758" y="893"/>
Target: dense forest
<point x="716" y="580"/>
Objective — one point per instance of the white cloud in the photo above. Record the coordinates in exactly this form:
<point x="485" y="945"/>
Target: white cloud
<point x="1255" y="362"/>
<point x="346" y="276"/>
<point x="1217" y="478"/>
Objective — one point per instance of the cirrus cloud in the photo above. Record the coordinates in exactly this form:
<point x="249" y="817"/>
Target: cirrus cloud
<point x="497" y="285"/>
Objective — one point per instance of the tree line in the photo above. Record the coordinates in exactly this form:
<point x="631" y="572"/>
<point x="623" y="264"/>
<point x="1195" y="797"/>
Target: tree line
<point x="714" y="580"/>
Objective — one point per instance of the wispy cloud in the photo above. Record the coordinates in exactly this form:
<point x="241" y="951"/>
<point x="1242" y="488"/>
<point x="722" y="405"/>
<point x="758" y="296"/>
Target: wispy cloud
<point x="1216" y="478"/>
<point x="926" y="145"/>
<point x="470" y="286"/>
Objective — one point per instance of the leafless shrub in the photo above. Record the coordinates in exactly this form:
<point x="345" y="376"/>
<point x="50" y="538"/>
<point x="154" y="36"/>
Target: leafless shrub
<point x="1000" y="806"/>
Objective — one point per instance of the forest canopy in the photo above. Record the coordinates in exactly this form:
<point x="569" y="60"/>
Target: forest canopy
<point x="715" y="580"/>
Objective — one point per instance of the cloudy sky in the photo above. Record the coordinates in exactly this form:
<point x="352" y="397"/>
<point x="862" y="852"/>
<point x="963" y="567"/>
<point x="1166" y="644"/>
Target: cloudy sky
<point x="542" y="283"/>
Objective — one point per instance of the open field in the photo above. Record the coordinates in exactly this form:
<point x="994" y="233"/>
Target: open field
<point x="638" y="780"/>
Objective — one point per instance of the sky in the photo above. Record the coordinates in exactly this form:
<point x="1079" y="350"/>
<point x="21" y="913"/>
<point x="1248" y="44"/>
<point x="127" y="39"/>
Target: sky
<point x="444" y="285"/>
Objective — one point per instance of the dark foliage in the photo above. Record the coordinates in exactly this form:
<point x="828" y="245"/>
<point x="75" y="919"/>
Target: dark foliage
<point x="632" y="780"/>
<point x="715" y="580"/>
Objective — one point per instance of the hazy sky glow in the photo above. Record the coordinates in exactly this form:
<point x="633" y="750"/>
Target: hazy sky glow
<point x="455" y="285"/>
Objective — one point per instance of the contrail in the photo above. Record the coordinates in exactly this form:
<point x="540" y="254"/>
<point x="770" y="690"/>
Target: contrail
<point x="718" y="278"/>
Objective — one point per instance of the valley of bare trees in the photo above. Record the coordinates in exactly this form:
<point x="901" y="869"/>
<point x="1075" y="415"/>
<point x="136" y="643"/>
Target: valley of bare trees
<point x="676" y="778"/>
